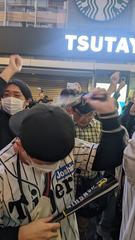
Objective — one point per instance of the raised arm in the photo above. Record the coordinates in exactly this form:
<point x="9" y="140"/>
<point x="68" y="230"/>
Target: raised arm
<point x="110" y="150"/>
<point x="14" y="66"/>
<point x="108" y="154"/>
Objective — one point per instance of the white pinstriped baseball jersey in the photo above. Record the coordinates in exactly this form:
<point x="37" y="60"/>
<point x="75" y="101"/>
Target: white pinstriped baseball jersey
<point x="13" y="205"/>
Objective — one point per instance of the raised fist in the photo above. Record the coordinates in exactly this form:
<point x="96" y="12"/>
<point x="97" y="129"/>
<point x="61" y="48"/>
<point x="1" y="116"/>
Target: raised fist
<point x="115" y="77"/>
<point x="15" y="63"/>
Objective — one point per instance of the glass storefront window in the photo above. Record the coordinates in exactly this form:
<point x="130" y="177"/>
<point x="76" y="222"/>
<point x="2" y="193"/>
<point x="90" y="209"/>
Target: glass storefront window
<point x="33" y="13"/>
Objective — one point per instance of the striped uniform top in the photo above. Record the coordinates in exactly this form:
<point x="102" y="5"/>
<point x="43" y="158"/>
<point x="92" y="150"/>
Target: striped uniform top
<point x="127" y="231"/>
<point x="14" y="207"/>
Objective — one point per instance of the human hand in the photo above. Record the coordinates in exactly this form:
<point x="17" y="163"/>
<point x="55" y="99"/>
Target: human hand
<point x="121" y="85"/>
<point x="14" y="66"/>
<point x="40" y="229"/>
<point x="100" y="106"/>
<point x="115" y="77"/>
<point x="113" y="84"/>
<point x="15" y="63"/>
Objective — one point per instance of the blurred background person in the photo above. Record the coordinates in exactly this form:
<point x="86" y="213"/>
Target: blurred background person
<point x="43" y="98"/>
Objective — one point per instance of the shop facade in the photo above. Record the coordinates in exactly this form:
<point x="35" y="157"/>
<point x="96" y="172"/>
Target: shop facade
<point x="92" y="43"/>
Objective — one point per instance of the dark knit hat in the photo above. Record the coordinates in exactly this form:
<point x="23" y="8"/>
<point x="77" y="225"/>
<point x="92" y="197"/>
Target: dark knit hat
<point x="22" y="86"/>
<point x="47" y="132"/>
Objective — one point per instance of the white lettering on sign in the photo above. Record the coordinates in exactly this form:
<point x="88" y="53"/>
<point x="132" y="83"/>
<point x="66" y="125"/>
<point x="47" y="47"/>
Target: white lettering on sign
<point x="110" y="41"/>
<point x="70" y="39"/>
<point x="122" y="46"/>
<point x="83" y="43"/>
<point x="132" y="41"/>
<point x="95" y="44"/>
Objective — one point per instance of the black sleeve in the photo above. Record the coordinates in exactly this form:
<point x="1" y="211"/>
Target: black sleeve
<point x="3" y="84"/>
<point x="9" y="233"/>
<point x="110" y="150"/>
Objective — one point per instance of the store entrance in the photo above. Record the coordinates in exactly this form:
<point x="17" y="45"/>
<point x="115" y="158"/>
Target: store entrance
<point x="52" y="81"/>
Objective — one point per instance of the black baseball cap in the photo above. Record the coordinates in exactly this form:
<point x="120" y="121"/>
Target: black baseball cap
<point x="47" y="132"/>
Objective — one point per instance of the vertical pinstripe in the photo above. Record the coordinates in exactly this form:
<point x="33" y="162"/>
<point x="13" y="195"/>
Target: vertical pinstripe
<point x="82" y="155"/>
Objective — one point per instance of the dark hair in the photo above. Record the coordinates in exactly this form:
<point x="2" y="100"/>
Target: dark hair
<point x="22" y="86"/>
<point x="67" y="92"/>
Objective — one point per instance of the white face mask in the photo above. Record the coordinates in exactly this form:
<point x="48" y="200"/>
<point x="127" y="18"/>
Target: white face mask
<point x="46" y="168"/>
<point x="12" y="105"/>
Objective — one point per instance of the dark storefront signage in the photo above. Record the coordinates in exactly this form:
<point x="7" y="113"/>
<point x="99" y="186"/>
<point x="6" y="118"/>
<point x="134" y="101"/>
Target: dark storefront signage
<point x="68" y="44"/>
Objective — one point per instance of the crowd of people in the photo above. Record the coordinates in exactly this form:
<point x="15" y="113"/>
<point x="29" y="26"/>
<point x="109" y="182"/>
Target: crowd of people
<point x="51" y="153"/>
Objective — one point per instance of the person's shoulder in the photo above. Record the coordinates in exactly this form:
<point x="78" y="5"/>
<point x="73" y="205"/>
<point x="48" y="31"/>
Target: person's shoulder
<point x="1" y="112"/>
<point x="4" y="120"/>
<point x="7" y="156"/>
<point x="4" y="115"/>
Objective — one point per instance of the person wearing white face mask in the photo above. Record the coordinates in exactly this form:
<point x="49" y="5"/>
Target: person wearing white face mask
<point x="12" y="105"/>
<point x="15" y="96"/>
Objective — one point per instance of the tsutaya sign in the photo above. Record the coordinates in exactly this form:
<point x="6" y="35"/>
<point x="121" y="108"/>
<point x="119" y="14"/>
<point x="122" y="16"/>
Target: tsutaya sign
<point x="68" y="44"/>
<point x="99" y="44"/>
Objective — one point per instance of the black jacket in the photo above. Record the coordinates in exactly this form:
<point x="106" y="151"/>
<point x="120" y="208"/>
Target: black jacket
<point x="6" y="135"/>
